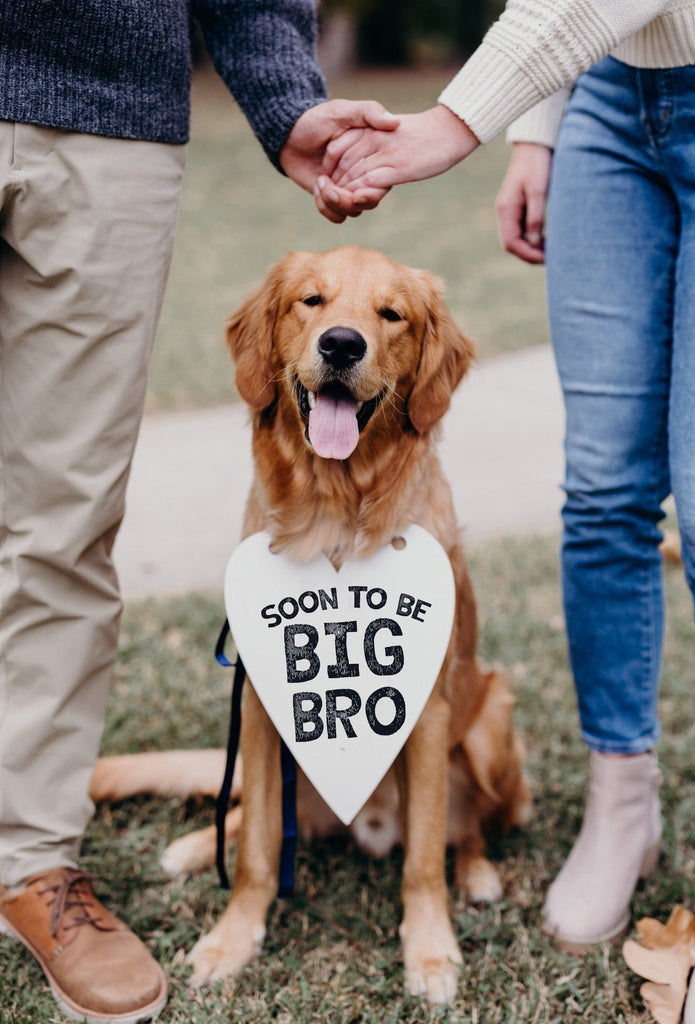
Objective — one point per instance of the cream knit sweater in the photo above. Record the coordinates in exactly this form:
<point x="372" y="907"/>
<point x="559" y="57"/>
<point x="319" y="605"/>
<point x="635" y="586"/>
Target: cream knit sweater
<point x="537" y="48"/>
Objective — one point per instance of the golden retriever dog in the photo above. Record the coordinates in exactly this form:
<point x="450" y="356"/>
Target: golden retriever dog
<point x="347" y="361"/>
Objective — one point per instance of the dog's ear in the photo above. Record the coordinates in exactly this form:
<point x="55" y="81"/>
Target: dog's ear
<point x="445" y="356"/>
<point x="250" y="340"/>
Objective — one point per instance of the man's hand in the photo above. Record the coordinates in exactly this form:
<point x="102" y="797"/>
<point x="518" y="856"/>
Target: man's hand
<point x="302" y="156"/>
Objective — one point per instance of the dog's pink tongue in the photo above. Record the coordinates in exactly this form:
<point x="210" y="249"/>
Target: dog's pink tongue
<point x="333" y="429"/>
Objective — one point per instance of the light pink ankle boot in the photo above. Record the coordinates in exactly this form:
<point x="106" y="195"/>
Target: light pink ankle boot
<point x="589" y="901"/>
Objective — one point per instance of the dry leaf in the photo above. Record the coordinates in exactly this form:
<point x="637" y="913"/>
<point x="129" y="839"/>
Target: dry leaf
<point x="679" y="930"/>
<point x="663" y="1002"/>
<point x="667" y="973"/>
<point x="664" y="956"/>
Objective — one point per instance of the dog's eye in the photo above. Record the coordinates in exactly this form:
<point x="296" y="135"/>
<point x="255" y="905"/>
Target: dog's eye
<point x="390" y="314"/>
<point x="313" y="300"/>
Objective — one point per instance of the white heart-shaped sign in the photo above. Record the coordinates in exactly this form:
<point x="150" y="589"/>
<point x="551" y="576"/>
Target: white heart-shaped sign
<point x="343" y="661"/>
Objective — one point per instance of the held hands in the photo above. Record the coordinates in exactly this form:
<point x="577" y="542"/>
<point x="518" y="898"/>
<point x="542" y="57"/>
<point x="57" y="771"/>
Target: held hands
<point x="351" y="153"/>
<point x="521" y="201"/>
<point x="302" y="157"/>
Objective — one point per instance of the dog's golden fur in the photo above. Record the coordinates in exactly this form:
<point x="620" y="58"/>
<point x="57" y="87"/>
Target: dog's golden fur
<point x="459" y="776"/>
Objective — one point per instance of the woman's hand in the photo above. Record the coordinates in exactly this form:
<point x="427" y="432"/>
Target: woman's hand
<point x="521" y="201"/>
<point x="421" y="146"/>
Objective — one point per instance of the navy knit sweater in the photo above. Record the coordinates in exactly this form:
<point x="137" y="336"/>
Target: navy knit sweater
<point x="123" y="67"/>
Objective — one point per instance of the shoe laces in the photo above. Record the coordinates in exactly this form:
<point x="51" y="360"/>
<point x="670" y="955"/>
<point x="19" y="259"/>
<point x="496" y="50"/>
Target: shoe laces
<point x="73" y="895"/>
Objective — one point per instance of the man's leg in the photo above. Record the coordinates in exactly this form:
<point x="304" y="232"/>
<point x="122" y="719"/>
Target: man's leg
<point x="87" y="229"/>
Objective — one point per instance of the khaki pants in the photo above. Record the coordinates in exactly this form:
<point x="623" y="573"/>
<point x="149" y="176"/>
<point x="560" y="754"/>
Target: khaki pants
<point x="86" y="233"/>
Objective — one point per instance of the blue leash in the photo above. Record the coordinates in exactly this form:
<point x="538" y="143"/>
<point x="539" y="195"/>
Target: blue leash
<point x="289" y="781"/>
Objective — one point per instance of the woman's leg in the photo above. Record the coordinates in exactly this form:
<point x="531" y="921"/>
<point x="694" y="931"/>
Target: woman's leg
<point x="613" y="237"/>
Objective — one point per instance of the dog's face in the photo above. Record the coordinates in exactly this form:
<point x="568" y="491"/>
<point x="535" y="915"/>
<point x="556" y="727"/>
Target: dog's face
<point x="349" y="334"/>
<point x="348" y="337"/>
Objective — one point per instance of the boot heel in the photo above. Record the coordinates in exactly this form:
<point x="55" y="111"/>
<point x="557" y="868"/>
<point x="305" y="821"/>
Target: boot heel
<point x="651" y="859"/>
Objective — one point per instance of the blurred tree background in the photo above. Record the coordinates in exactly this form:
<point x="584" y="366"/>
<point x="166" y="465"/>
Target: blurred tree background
<point x="401" y="33"/>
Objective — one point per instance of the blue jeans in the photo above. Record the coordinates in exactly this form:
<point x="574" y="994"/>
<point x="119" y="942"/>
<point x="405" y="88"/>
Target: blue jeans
<point x="620" y="255"/>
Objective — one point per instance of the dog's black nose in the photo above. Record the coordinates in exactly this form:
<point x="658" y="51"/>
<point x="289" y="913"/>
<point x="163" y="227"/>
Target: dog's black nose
<point x="341" y="346"/>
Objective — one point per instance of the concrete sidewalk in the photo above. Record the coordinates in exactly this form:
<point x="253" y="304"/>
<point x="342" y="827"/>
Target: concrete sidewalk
<point x="502" y="452"/>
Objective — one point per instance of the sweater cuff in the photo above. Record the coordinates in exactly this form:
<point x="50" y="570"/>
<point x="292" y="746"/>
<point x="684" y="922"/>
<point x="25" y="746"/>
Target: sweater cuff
<point x="530" y="52"/>
<point x="489" y="92"/>
<point x="272" y="127"/>
<point x="541" y="123"/>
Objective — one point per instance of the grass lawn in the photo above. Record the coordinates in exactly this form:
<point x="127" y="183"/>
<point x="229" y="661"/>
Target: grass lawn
<point x="332" y="952"/>
<point x="238" y="216"/>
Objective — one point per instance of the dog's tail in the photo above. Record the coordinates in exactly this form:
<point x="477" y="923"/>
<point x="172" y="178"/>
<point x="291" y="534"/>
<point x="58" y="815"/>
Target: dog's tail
<point x="172" y="773"/>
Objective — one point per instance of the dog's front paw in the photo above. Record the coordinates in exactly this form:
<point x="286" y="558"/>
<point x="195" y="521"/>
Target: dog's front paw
<point x="434" y="978"/>
<point x="432" y="967"/>
<point x="223" y="952"/>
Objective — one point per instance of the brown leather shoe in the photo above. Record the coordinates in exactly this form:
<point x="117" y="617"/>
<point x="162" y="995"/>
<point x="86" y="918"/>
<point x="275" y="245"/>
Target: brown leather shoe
<point x="97" y="968"/>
